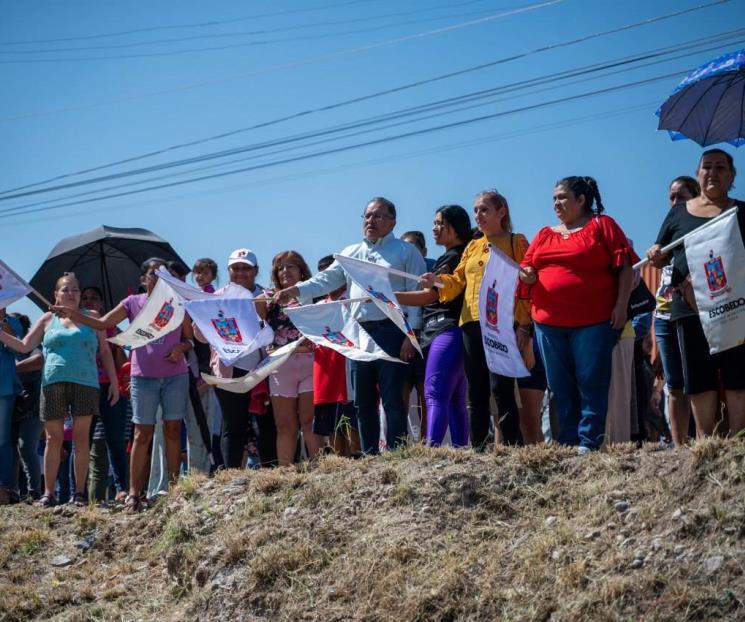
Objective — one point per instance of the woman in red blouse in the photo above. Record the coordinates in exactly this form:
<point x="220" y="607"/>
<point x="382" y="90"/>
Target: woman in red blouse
<point x="580" y="276"/>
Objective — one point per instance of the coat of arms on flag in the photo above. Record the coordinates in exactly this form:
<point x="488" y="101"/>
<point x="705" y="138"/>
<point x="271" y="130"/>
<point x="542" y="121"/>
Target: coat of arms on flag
<point x="336" y="337"/>
<point x="497" y="306"/>
<point x="227" y="328"/>
<point x="716" y="278"/>
<point x="164" y="315"/>
<point x="492" y="305"/>
<point x="710" y="250"/>
<point x="332" y="325"/>
<point x="381" y="296"/>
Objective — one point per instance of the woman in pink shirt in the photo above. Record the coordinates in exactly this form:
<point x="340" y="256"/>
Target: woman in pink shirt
<point x="159" y="379"/>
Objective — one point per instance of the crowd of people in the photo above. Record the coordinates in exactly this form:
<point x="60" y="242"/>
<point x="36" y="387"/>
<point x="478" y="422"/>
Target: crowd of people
<point x="112" y="417"/>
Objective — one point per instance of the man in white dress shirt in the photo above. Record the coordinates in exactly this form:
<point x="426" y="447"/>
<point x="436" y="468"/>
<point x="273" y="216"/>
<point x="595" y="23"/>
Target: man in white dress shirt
<point x="375" y="378"/>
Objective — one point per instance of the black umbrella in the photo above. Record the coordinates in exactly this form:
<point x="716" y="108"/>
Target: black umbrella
<point x="107" y="257"/>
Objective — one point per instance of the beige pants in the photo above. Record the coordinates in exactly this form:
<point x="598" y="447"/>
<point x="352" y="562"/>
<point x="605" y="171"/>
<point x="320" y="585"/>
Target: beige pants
<point x="618" y="423"/>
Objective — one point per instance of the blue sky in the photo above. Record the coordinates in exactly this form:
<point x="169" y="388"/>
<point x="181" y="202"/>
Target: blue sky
<point x="99" y="99"/>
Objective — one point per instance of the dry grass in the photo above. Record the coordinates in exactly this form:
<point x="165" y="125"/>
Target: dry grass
<point x="417" y="534"/>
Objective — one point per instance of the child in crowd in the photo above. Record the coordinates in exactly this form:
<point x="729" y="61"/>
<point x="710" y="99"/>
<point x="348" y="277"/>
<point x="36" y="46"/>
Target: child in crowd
<point x="204" y="272"/>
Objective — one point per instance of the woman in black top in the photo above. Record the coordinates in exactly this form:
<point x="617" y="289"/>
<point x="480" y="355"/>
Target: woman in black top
<point x="444" y="379"/>
<point x="701" y="370"/>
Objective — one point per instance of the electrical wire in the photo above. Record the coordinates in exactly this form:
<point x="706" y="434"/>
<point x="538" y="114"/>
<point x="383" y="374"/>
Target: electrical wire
<point x="400" y="88"/>
<point x="689" y="48"/>
<point x="373" y="142"/>
<point x="429" y="33"/>
<point x="348" y="102"/>
<point x="191" y="25"/>
<point x="443" y="148"/>
<point x="266" y="31"/>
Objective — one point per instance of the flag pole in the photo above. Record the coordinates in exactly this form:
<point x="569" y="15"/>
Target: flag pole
<point x="666" y="249"/>
<point x="341" y="301"/>
<point x="401" y="273"/>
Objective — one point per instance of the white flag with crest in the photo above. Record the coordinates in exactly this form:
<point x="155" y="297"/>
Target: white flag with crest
<point x="269" y="365"/>
<point x="332" y="324"/>
<point x="716" y="259"/>
<point x="163" y="312"/>
<point x="230" y="324"/>
<point x="371" y="279"/>
<point x="497" y="316"/>
<point x="12" y="286"/>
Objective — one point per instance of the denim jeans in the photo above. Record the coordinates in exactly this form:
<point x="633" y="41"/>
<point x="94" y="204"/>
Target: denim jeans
<point x="26" y="434"/>
<point x="388" y="377"/>
<point x="7" y="402"/>
<point x="578" y="368"/>
<point x="666" y="336"/>
<point x="151" y="394"/>
<point x="66" y="473"/>
<point x="114" y="423"/>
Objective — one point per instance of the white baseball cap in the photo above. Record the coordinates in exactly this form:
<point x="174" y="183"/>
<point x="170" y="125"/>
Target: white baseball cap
<point x="242" y="255"/>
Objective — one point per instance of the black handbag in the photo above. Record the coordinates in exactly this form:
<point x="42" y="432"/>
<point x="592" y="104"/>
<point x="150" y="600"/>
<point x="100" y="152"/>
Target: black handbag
<point x="641" y="300"/>
<point x="23" y="405"/>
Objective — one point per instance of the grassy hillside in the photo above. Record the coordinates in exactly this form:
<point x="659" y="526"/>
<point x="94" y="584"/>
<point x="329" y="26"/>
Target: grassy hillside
<point x="418" y="534"/>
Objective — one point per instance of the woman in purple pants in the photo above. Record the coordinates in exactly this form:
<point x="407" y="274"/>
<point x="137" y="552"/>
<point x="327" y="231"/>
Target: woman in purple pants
<point x="445" y="378"/>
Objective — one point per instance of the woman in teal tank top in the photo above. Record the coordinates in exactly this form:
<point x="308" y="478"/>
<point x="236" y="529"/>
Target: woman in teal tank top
<point x="69" y="384"/>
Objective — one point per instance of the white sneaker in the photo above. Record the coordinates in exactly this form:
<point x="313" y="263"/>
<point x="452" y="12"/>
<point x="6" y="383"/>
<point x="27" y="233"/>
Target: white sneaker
<point x="583" y="451"/>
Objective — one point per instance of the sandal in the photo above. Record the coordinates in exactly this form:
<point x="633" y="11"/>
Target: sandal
<point x="47" y="500"/>
<point x="131" y="504"/>
<point x="78" y="499"/>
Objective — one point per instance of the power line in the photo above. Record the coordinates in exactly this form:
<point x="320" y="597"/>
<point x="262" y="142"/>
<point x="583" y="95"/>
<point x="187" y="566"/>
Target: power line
<point x="590" y="72"/>
<point x="267" y="31"/>
<point x="191" y="25"/>
<point x="536" y="129"/>
<point x="21" y="208"/>
<point x="294" y="65"/>
<point x="406" y="112"/>
<point x="656" y="56"/>
<point x="373" y="142"/>
<point x="372" y="46"/>
<point x="230" y="46"/>
<point x="367" y="97"/>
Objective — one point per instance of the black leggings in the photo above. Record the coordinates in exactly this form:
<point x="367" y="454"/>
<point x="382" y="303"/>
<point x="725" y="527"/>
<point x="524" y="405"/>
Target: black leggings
<point x="481" y="384"/>
<point x="237" y="429"/>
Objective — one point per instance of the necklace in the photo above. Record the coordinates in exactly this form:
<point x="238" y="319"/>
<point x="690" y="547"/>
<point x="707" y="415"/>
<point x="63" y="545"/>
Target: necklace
<point x="565" y="233"/>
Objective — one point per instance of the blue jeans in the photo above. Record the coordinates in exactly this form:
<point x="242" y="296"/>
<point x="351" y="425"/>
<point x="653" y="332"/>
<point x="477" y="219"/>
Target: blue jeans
<point x="26" y="435"/>
<point x="7" y="402"/>
<point x="578" y="367"/>
<point x="672" y="363"/>
<point x="368" y="376"/>
<point x="114" y="425"/>
<point x="66" y="473"/>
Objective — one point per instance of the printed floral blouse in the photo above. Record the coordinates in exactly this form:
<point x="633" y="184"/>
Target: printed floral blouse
<point x="284" y="330"/>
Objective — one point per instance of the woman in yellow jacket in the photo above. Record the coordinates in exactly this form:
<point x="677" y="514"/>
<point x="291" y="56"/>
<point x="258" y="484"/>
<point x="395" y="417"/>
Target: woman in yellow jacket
<point x="492" y="215"/>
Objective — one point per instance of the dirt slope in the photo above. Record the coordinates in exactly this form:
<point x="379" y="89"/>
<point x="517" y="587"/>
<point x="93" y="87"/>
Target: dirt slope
<point x="536" y="534"/>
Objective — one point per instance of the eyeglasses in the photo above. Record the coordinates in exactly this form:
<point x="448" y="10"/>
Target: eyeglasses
<point x="376" y="217"/>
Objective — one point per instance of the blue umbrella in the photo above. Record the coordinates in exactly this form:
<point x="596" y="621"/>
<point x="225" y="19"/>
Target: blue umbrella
<point x="709" y="105"/>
